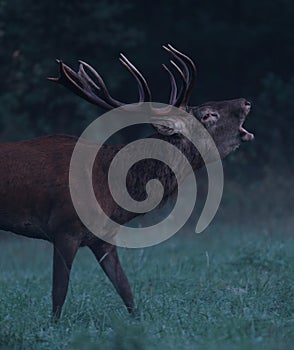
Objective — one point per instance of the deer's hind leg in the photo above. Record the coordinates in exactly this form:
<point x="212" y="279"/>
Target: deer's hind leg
<point x="65" y="249"/>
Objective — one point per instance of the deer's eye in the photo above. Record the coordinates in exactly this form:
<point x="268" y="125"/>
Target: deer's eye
<point x="205" y="117"/>
<point x="209" y="118"/>
<point x="209" y="115"/>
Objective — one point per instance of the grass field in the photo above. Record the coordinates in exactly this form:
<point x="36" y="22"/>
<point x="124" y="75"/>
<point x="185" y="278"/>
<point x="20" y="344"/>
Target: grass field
<point x="222" y="289"/>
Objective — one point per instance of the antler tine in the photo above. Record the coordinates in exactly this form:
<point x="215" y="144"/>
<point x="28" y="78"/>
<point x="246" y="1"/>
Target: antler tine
<point x="188" y="59"/>
<point x="190" y="70"/>
<point x="142" y="83"/>
<point x="72" y="80"/>
<point x="184" y="86"/>
<point x="99" y="96"/>
<point x="85" y="77"/>
<point x="174" y="100"/>
<point x="100" y="90"/>
<point x="184" y="74"/>
<point x="140" y="87"/>
<point x="174" y="89"/>
<point x="173" y="96"/>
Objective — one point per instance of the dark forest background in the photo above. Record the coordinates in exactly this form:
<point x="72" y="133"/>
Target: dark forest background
<point x="241" y="48"/>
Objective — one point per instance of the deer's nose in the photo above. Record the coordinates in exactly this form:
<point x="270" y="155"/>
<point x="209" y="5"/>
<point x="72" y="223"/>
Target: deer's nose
<point x="246" y="106"/>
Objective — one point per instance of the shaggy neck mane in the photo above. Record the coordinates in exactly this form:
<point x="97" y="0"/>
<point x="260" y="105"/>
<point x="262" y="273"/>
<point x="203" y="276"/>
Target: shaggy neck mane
<point x="145" y="170"/>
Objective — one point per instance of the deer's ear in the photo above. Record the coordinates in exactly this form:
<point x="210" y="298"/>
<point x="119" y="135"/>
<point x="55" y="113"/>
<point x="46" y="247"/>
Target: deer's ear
<point x="164" y="130"/>
<point x="168" y="125"/>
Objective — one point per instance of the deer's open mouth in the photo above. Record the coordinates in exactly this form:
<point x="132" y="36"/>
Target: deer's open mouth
<point x="244" y="134"/>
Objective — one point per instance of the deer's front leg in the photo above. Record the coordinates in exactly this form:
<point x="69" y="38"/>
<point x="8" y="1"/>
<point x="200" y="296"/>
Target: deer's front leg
<point x="107" y="256"/>
<point x="65" y="249"/>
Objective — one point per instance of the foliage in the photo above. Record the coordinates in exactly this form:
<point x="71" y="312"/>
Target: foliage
<point x="241" y="48"/>
<point x="32" y="35"/>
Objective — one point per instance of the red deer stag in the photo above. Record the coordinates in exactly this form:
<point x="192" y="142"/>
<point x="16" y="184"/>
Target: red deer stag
<point x="35" y="195"/>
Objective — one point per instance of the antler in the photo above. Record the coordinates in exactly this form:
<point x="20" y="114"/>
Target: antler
<point x="83" y="85"/>
<point x="97" y="93"/>
<point x="188" y="75"/>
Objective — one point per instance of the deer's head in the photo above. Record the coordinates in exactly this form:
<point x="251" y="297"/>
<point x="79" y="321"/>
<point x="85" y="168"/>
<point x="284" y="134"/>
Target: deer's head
<point x="222" y="119"/>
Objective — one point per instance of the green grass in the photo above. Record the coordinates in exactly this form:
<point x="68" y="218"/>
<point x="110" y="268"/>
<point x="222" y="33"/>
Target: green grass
<point x="222" y="289"/>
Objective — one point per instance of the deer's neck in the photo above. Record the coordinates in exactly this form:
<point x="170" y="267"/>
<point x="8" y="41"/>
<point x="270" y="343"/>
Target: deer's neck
<point x="145" y="170"/>
<point x="148" y="169"/>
